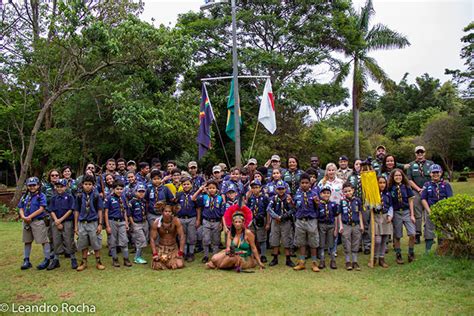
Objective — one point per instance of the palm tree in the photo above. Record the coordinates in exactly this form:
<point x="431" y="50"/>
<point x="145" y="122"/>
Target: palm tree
<point x="357" y="49"/>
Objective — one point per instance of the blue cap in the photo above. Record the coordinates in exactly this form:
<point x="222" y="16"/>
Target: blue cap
<point x="344" y="158"/>
<point x="32" y="181"/>
<point x="436" y="168"/>
<point x="230" y="188"/>
<point x="325" y="188"/>
<point x="61" y="182"/>
<point x="140" y="187"/>
<point x="256" y="182"/>
<point x="280" y="185"/>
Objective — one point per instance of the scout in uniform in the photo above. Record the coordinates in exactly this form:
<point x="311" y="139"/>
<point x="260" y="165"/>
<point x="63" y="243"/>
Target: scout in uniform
<point x="88" y="222"/>
<point x="61" y="208"/>
<point x="212" y="213"/>
<point x="281" y="212"/>
<point x="433" y="191"/>
<point x="129" y="190"/>
<point x="403" y="213"/>
<point x="234" y="181"/>
<point x="32" y="212"/>
<point x="189" y="215"/>
<point x="116" y="221"/>
<point x="351" y="225"/>
<point x="292" y="175"/>
<point x="270" y="188"/>
<point x="257" y="202"/>
<point x="418" y="174"/>
<point x="383" y="215"/>
<point x="327" y="215"/>
<point x="138" y="222"/>
<point x="143" y="170"/>
<point x="344" y="172"/>
<point x="376" y="163"/>
<point x="175" y="184"/>
<point x="314" y="162"/>
<point x="196" y="179"/>
<point x="157" y="196"/>
<point x="354" y="179"/>
<point x="274" y="163"/>
<point x="306" y="225"/>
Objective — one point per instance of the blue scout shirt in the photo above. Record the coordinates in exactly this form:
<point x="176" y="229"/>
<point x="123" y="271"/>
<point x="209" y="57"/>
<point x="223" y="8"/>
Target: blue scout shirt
<point x="117" y="207"/>
<point x="31" y="203"/>
<point x="293" y="180"/>
<point x="278" y="207"/>
<point x="229" y="203"/>
<point x="238" y="185"/>
<point x="270" y="188"/>
<point x="212" y="206"/>
<point x="327" y="212"/>
<point x="436" y="191"/>
<point x="188" y="206"/>
<point x="157" y="194"/>
<point x="60" y="204"/>
<point x="129" y="191"/>
<point x="197" y="182"/>
<point x="258" y="205"/>
<point x="386" y="204"/>
<point x="350" y="210"/>
<point x="400" y="196"/>
<point x="140" y="178"/>
<point x="137" y="210"/>
<point x="305" y="205"/>
<point x="88" y="206"/>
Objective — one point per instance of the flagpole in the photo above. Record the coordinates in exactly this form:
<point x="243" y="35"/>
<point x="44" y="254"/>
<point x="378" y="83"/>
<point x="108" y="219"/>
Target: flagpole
<point x="253" y="140"/>
<point x="231" y="77"/>
<point x="235" y="75"/>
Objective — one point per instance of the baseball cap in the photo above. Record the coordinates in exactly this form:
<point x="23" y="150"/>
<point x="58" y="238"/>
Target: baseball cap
<point x="436" y="168"/>
<point x="61" y="182"/>
<point x="325" y="188"/>
<point x="344" y="158"/>
<point x="131" y="162"/>
<point x="223" y="166"/>
<point x="192" y="164"/>
<point x="380" y="146"/>
<point x="275" y="158"/>
<point x="140" y="188"/>
<point x="419" y="148"/>
<point x="230" y="188"/>
<point x="280" y="185"/>
<point x="255" y="183"/>
<point x="32" y="181"/>
<point x="216" y="169"/>
<point x="252" y="161"/>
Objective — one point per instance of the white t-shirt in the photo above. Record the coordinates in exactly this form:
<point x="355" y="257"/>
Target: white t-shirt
<point x="336" y="189"/>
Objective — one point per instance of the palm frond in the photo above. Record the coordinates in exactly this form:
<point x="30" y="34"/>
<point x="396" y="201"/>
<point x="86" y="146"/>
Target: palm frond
<point x="376" y="73"/>
<point x="344" y="69"/>
<point x="365" y="15"/>
<point x="381" y="37"/>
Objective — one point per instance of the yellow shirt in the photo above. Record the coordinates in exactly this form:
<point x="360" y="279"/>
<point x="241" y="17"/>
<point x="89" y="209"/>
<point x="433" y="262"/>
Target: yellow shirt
<point x="173" y="188"/>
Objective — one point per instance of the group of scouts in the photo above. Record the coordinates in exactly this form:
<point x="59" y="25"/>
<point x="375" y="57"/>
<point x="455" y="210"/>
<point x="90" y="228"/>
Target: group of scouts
<point x="179" y="213"/>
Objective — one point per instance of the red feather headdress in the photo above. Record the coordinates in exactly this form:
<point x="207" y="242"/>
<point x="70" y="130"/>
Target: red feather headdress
<point x="244" y="210"/>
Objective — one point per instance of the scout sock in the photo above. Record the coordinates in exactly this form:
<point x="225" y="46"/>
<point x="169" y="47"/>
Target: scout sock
<point x="56" y="257"/>
<point x="206" y="251"/>
<point x="46" y="251"/>
<point x="73" y="255"/>
<point x="411" y="251"/>
<point x="383" y="246"/>
<point x="398" y="251"/>
<point x="332" y="254"/>
<point x="302" y="258"/>
<point x="354" y="257"/>
<point x="51" y="250"/>
<point x="27" y="251"/>
<point x="428" y="244"/>
<point x="314" y="258"/>
<point x="348" y="258"/>
<point x="97" y="259"/>
<point x="113" y="252"/>
<point x="321" y="254"/>
<point x="125" y="252"/>
<point x="138" y="252"/>
<point x="191" y="249"/>
<point x="263" y="248"/>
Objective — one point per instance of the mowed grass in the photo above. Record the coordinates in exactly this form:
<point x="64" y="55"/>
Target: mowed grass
<point x="463" y="187"/>
<point x="430" y="285"/>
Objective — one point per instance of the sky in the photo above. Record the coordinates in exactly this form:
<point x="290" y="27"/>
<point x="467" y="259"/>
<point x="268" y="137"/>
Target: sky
<point x="434" y="29"/>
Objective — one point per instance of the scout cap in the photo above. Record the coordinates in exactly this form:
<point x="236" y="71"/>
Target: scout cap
<point x="380" y="146"/>
<point x="419" y="148"/>
<point x="192" y="164"/>
<point x="141" y="188"/>
<point x="131" y="162"/>
<point x="216" y="169"/>
<point x="325" y="188"/>
<point x="280" y="185"/>
<point x="343" y="158"/>
<point x="252" y="161"/>
<point x="230" y="188"/>
<point x="275" y="158"/>
<point x="256" y="183"/>
<point x="32" y="181"/>
<point x="61" y="182"/>
<point x="436" y="168"/>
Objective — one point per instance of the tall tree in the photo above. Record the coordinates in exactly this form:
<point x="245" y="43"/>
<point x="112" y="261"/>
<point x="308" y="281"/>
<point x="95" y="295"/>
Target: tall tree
<point x="357" y="46"/>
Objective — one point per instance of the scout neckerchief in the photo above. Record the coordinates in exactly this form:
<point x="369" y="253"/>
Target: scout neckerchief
<point x="255" y="206"/>
<point x="293" y="179"/>
<point x="382" y="204"/>
<point x="88" y="202"/>
<point x="122" y="209"/>
<point x="305" y="198"/>
<point x="28" y="204"/>
<point x="326" y="210"/>
<point x="280" y="202"/>
<point x="422" y="171"/>
<point x="358" y="185"/>
<point x="399" y="194"/>
<point x="211" y="204"/>
<point x="437" y="190"/>
<point x="186" y="200"/>
<point x="155" y="189"/>
<point x="349" y="210"/>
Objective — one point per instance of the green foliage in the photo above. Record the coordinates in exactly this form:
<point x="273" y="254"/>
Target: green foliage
<point x="454" y="219"/>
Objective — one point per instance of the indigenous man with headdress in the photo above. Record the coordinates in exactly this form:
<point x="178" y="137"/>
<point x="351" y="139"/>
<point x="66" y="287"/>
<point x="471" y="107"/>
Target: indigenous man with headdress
<point x="241" y="252"/>
<point x="167" y="254"/>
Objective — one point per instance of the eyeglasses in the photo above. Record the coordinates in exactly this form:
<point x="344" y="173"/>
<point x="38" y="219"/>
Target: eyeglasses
<point x="192" y="167"/>
<point x="55" y="175"/>
<point x="420" y="152"/>
<point x="90" y="168"/>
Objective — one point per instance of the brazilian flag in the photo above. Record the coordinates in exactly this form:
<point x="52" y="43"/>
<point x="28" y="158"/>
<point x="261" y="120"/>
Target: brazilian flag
<point x="230" y="126"/>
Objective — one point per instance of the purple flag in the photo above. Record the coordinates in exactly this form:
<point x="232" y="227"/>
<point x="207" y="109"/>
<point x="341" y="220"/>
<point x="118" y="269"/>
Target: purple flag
<point x="206" y="116"/>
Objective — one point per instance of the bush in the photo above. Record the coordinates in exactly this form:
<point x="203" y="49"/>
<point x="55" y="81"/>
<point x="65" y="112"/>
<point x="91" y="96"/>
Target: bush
<point x="4" y="210"/>
<point x="462" y="179"/>
<point x="454" y="220"/>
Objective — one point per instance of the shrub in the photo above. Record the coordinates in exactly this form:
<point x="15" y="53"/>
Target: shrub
<point x="462" y="179"/>
<point x="454" y="220"/>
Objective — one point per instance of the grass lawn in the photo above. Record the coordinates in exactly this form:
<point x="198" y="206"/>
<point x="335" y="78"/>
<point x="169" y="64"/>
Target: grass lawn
<point x="463" y="187"/>
<point x="430" y="285"/>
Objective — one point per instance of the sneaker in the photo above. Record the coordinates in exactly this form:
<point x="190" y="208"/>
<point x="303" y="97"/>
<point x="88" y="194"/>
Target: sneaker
<point x="100" y="266"/>
<point x="348" y="266"/>
<point x="417" y="239"/>
<point x="82" y="267"/>
<point x="43" y="265"/>
<point x="411" y="257"/>
<point x="53" y="264"/>
<point x="139" y="260"/>
<point x="198" y="249"/>
<point x="205" y="259"/>
<point x="190" y="257"/>
<point x="355" y="266"/>
<point x="127" y="262"/>
<point x="300" y="265"/>
<point x="115" y="263"/>
<point x="314" y="266"/>
<point x="290" y="263"/>
<point x="263" y="259"/>
<point x="399" y="258"/>
<point x="382" y="263"/>
<point x="274" y="262"/>
<point x="333" y="265"/>
<point x="367" y="252"/>
<point x="74" y="263"/>
<point x="26" y="264"/>
<point x="322" y="264"/>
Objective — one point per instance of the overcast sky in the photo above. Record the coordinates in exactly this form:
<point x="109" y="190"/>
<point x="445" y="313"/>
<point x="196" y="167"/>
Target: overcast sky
<point x="434" y="29"/>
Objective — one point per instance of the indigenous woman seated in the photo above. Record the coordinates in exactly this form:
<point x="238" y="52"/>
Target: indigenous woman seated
<point x="241" y="252"/>
<point x="167" y="255"/>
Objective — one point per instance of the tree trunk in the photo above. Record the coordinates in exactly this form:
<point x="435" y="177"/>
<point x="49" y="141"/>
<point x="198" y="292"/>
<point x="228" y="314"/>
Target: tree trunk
<point x="355" y="109"/>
